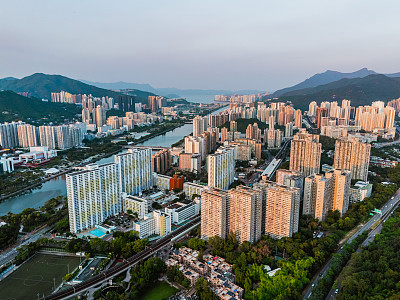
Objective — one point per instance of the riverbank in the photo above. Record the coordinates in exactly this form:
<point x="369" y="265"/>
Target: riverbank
<point x="53" y="186"/>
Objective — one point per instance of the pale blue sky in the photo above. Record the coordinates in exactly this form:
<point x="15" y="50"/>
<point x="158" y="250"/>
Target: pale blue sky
<point x="262" y="45"/>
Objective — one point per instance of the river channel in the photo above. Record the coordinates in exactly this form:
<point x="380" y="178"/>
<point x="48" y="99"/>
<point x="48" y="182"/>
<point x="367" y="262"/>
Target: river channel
<point x="57" y="186"/>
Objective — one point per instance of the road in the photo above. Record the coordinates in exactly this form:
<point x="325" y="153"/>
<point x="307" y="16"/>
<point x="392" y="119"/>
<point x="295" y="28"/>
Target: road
<point x="123" y="267"/>
<point x="10" y="253"/>
<point x="387" y="209"/>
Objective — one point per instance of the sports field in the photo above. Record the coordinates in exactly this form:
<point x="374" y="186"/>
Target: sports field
<point x="37" y="276"/>
<point x="159" y="291"/>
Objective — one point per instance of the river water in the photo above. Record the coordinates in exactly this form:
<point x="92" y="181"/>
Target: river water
<point x="57" y="186"/>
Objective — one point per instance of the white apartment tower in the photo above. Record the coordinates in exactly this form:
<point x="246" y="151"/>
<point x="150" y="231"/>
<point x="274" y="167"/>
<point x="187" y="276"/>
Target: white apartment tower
<point x="200" y="124"/>
<point x="93" y="196"/>
<point x="9" y="134"/>
<point x="221" y="168"/>
<point x="27" y="136"/>
<point x="135" y="171"/>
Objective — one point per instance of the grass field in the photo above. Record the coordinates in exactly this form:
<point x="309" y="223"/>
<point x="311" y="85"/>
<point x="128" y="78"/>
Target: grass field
<point x="37" y="276"/>
<point x="161" y="290"/>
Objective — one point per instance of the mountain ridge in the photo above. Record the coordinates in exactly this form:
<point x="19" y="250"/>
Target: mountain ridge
<point x="41" y="85"/>
<point x="328" y="77"/>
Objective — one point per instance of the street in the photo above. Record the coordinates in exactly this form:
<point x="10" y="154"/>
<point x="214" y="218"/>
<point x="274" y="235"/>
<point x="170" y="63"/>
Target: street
<point x="387" y="208"/>
<point x="10" y="254"/>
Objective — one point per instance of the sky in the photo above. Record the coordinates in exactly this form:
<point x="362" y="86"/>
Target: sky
<point x="218" y="44"/>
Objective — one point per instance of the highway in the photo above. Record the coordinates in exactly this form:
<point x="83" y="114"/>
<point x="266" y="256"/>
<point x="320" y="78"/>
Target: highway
<point x="10" y="253"/>
<point x="387" y="209"/>
<point x="110" y="273"/>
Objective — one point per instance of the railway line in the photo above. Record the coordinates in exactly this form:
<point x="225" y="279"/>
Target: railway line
<point x="124" y="266"/>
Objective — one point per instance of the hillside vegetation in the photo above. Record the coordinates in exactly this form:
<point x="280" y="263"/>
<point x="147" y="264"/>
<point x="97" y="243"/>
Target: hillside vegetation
<point x="42" y="85"/>
<point x="14" y="107"/>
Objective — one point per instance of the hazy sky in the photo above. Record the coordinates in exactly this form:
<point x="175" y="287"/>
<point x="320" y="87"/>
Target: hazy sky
<point x="218" y="44"/>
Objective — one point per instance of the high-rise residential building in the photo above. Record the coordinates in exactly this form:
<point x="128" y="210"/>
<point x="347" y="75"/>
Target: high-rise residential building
<point x="176" y="182"/>
<point x="282" y="210"/>
<point x="100" y="116"/>
<point x="93" y="196"/>
<point x="224" y="134"/>
<point x="63" y="137"/>
<point x="9" y="134"/>
<point x="321" y="113"/>
<point x="245" y="214"/>
<point x="126" y="103"/>
<point x="352" y="155"/>
<point x="200" y="124"/>
<point x="390" y="113"/>
<point x="48" y="136"/>
<point x="196" y="145"/>
<point x="214" y="213"/>
<point x="341" y="189"/>
<point x="273" y="138"/>
<point x="298" y="119"/>
<point x="253" y="132"/>
<point x="161" y="161"/>
<point x="317" y="199"/>
<point x="271" y="123"/>
<point x="312" y="107"/>
<point x="289" y="129"/>
<point x="221" y="168"/>
<point x="62" y="97"/>
<point x="27" y="136"/>
<point x="233" y="126"/>
<point x="290" y="179"/>
<point x="135" y="170"/>
<point x="190" y="162"/>
<point x="305" y="153"/>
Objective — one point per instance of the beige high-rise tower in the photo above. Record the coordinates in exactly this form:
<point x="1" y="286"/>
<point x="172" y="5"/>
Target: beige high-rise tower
<point x="245" y="213"/>
<point x="352" y="155"/>
<point x="341" y="189"/>
<point x="282" y="211"/>
<point x="305" y="153"/>
<point x="317" y="199"/>
<point x="214" y="213"/>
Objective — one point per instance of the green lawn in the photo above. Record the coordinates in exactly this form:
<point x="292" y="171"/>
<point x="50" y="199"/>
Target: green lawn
<point x="38" y="275"/>
<point x="161" y="290"/>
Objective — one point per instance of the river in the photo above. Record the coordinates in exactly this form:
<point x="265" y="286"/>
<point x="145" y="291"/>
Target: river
<point x="57" y="186"/>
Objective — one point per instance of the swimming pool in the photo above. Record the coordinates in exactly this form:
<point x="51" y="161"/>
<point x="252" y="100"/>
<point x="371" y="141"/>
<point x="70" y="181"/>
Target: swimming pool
<point x="98" y="233"/>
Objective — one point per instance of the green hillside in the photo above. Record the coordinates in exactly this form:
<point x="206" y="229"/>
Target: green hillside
<point x="361" y="91"/>
<point x="42" y="85"/>
<point x="14" y="107"/>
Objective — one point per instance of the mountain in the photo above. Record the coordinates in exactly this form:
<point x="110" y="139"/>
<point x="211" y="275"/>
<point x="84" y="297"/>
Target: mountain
<point x="361" y="91"/>
<point x="167" y="92"/>
<point x="16" y="107"/>
<point x="42" y="85"/>
<point x="324" y="78"/>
